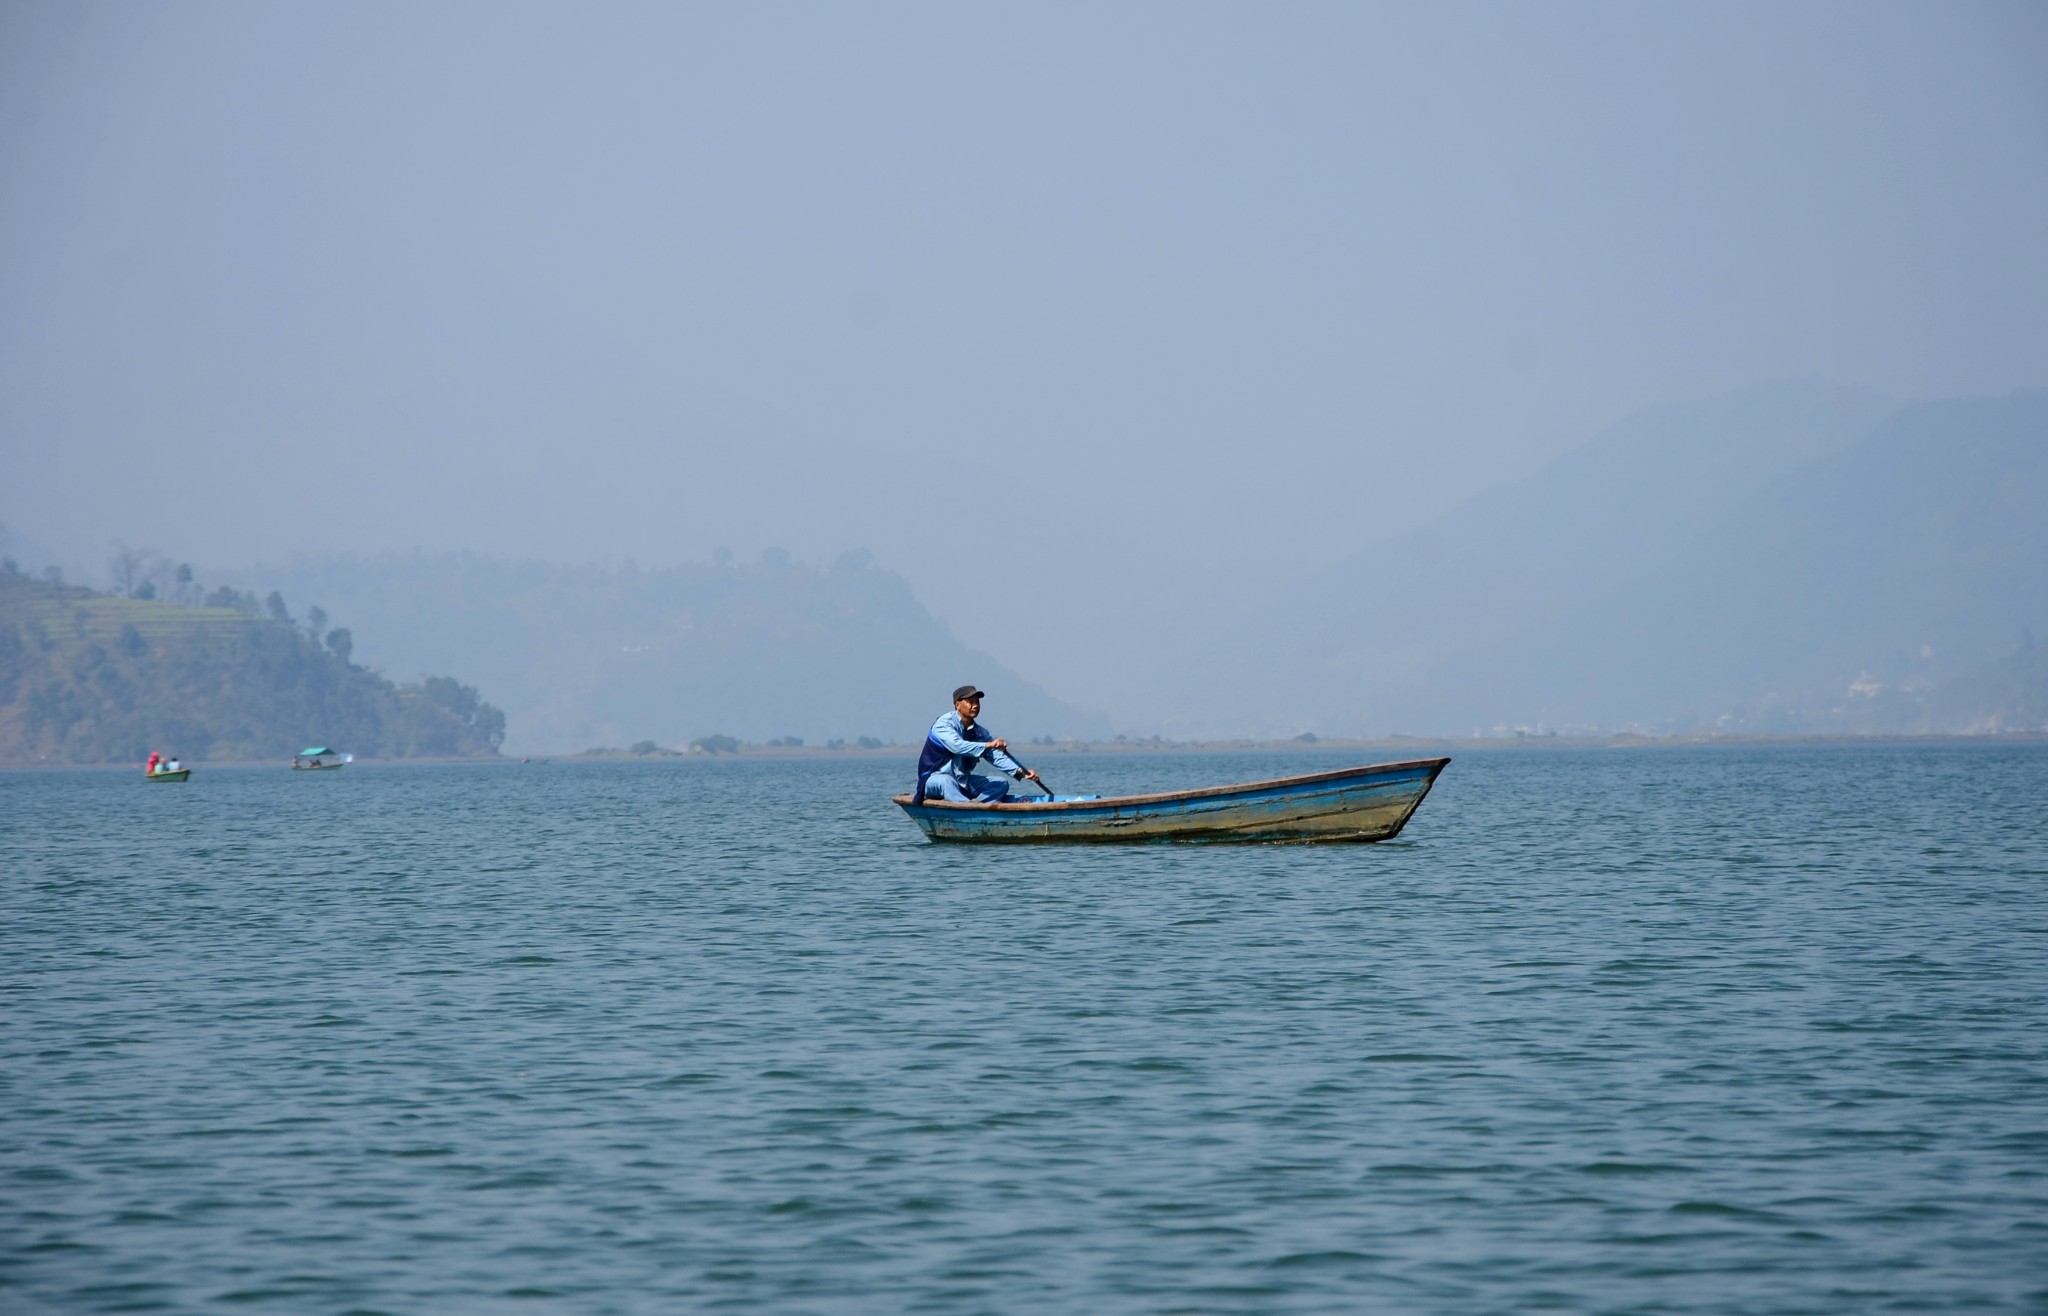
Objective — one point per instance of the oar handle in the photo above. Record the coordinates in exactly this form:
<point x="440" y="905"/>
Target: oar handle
<point x="1036" y="781"/>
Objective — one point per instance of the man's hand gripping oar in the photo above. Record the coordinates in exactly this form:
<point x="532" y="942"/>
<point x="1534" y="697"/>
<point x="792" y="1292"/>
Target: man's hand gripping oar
<point x="1023" y="771"/>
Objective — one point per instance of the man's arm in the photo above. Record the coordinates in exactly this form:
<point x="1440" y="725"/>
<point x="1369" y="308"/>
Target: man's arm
<point x="947" y="732"/>
<point x="976" y="743"/>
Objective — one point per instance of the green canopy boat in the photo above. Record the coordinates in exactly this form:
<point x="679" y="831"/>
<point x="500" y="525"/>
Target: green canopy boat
<point x="319" y="758"/>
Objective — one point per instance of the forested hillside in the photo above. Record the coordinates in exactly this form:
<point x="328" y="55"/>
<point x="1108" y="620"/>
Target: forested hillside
<point x="608" y="655"/>
<point x="87" y="677"/>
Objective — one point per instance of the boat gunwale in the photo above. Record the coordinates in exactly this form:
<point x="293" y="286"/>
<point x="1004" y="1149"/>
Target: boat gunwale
<point x="1162" y="797"/>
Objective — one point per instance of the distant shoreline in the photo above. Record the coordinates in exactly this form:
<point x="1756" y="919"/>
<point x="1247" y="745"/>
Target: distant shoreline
<point x="1402" y="746"/>
<point x="1409" y="746"/>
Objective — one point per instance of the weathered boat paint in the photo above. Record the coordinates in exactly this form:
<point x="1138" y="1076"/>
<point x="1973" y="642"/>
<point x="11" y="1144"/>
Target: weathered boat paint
<point x="1352" y="804"/>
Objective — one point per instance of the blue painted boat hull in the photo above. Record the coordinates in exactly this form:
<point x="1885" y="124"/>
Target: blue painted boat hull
<point x="1352" y="804"/>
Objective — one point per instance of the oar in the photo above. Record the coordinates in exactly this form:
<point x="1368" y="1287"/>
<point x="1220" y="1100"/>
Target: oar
<point x="1036" y="781"/>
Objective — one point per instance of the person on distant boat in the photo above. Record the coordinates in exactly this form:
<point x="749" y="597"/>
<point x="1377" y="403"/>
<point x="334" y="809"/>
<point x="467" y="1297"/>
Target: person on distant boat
<point x="955" y="744"/>
<point x="172" y="766"/>
<point x="149" y="768"/>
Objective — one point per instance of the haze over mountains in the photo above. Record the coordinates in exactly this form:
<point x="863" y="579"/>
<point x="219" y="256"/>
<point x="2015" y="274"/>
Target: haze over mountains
<point x="1742" y="565"/>
<point x="1372" y="629"/>
<point x="581" y="656"/>
<point x="1793" y="558"/>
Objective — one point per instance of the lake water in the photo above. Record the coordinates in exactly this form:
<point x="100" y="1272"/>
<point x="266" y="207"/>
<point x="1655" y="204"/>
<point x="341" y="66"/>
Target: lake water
<point x="1679" y="1030"/>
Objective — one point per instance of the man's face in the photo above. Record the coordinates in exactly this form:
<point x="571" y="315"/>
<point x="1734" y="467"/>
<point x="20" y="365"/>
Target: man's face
<point x="968" y="709"/>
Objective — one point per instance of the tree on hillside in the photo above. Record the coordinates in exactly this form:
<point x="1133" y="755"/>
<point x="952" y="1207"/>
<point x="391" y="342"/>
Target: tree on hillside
<point x="127" y="567"/>
<point x="463" y="701"/>
<point x="341" y="642"/>
<point x="453" y="695"/>
<point x="274" y="606"/>
<point x="316" y="621"/>
<point x="229" y="597"/>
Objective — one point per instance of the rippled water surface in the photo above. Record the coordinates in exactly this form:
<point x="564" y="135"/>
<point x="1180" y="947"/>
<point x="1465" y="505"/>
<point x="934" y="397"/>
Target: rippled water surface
<point x="1715" y="1030"/>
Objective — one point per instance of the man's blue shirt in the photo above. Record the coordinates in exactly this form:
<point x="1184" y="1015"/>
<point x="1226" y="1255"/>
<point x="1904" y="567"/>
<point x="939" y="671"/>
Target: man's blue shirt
<point x="963" y="743"/>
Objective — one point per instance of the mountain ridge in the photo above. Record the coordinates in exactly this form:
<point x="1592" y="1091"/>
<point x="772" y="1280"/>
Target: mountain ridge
<point x="1916" y="554"/>
<point x="583" y="655"/>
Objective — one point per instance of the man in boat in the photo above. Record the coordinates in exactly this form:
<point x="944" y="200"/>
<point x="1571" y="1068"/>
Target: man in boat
<point x="955" y="744"/>
<point x="149" y="768"/>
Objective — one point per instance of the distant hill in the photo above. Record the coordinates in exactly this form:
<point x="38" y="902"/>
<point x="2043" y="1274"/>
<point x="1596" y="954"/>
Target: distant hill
<point x="1907" y="561"/>
<point x="1915" y="558"/>
<point x="2008" y="694"/>
<point x="87" y="677"/>
<point x="591" y="655"/>
<point x="1363" y="644"/>
<point x="1600" y="518"/>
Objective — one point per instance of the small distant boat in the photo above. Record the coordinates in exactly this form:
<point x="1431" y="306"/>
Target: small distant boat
<point x="1352" y="804"/>
<point x="319" y="758"/>
<point x="180" y="775"/>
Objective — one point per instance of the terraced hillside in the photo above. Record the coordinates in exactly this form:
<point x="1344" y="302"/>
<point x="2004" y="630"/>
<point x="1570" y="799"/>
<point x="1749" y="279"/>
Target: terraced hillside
<point x="96" y="678"/>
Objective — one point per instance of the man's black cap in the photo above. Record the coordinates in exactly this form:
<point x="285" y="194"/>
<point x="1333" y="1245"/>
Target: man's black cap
<point x="966" y="692"/>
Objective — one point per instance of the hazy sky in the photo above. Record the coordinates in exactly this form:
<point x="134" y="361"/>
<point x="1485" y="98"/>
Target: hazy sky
<point x="1057" y="310"/>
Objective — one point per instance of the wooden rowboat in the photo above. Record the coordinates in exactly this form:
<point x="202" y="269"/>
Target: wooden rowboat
<point x="1352" y="804"/>
<point x="179" y="775"/>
